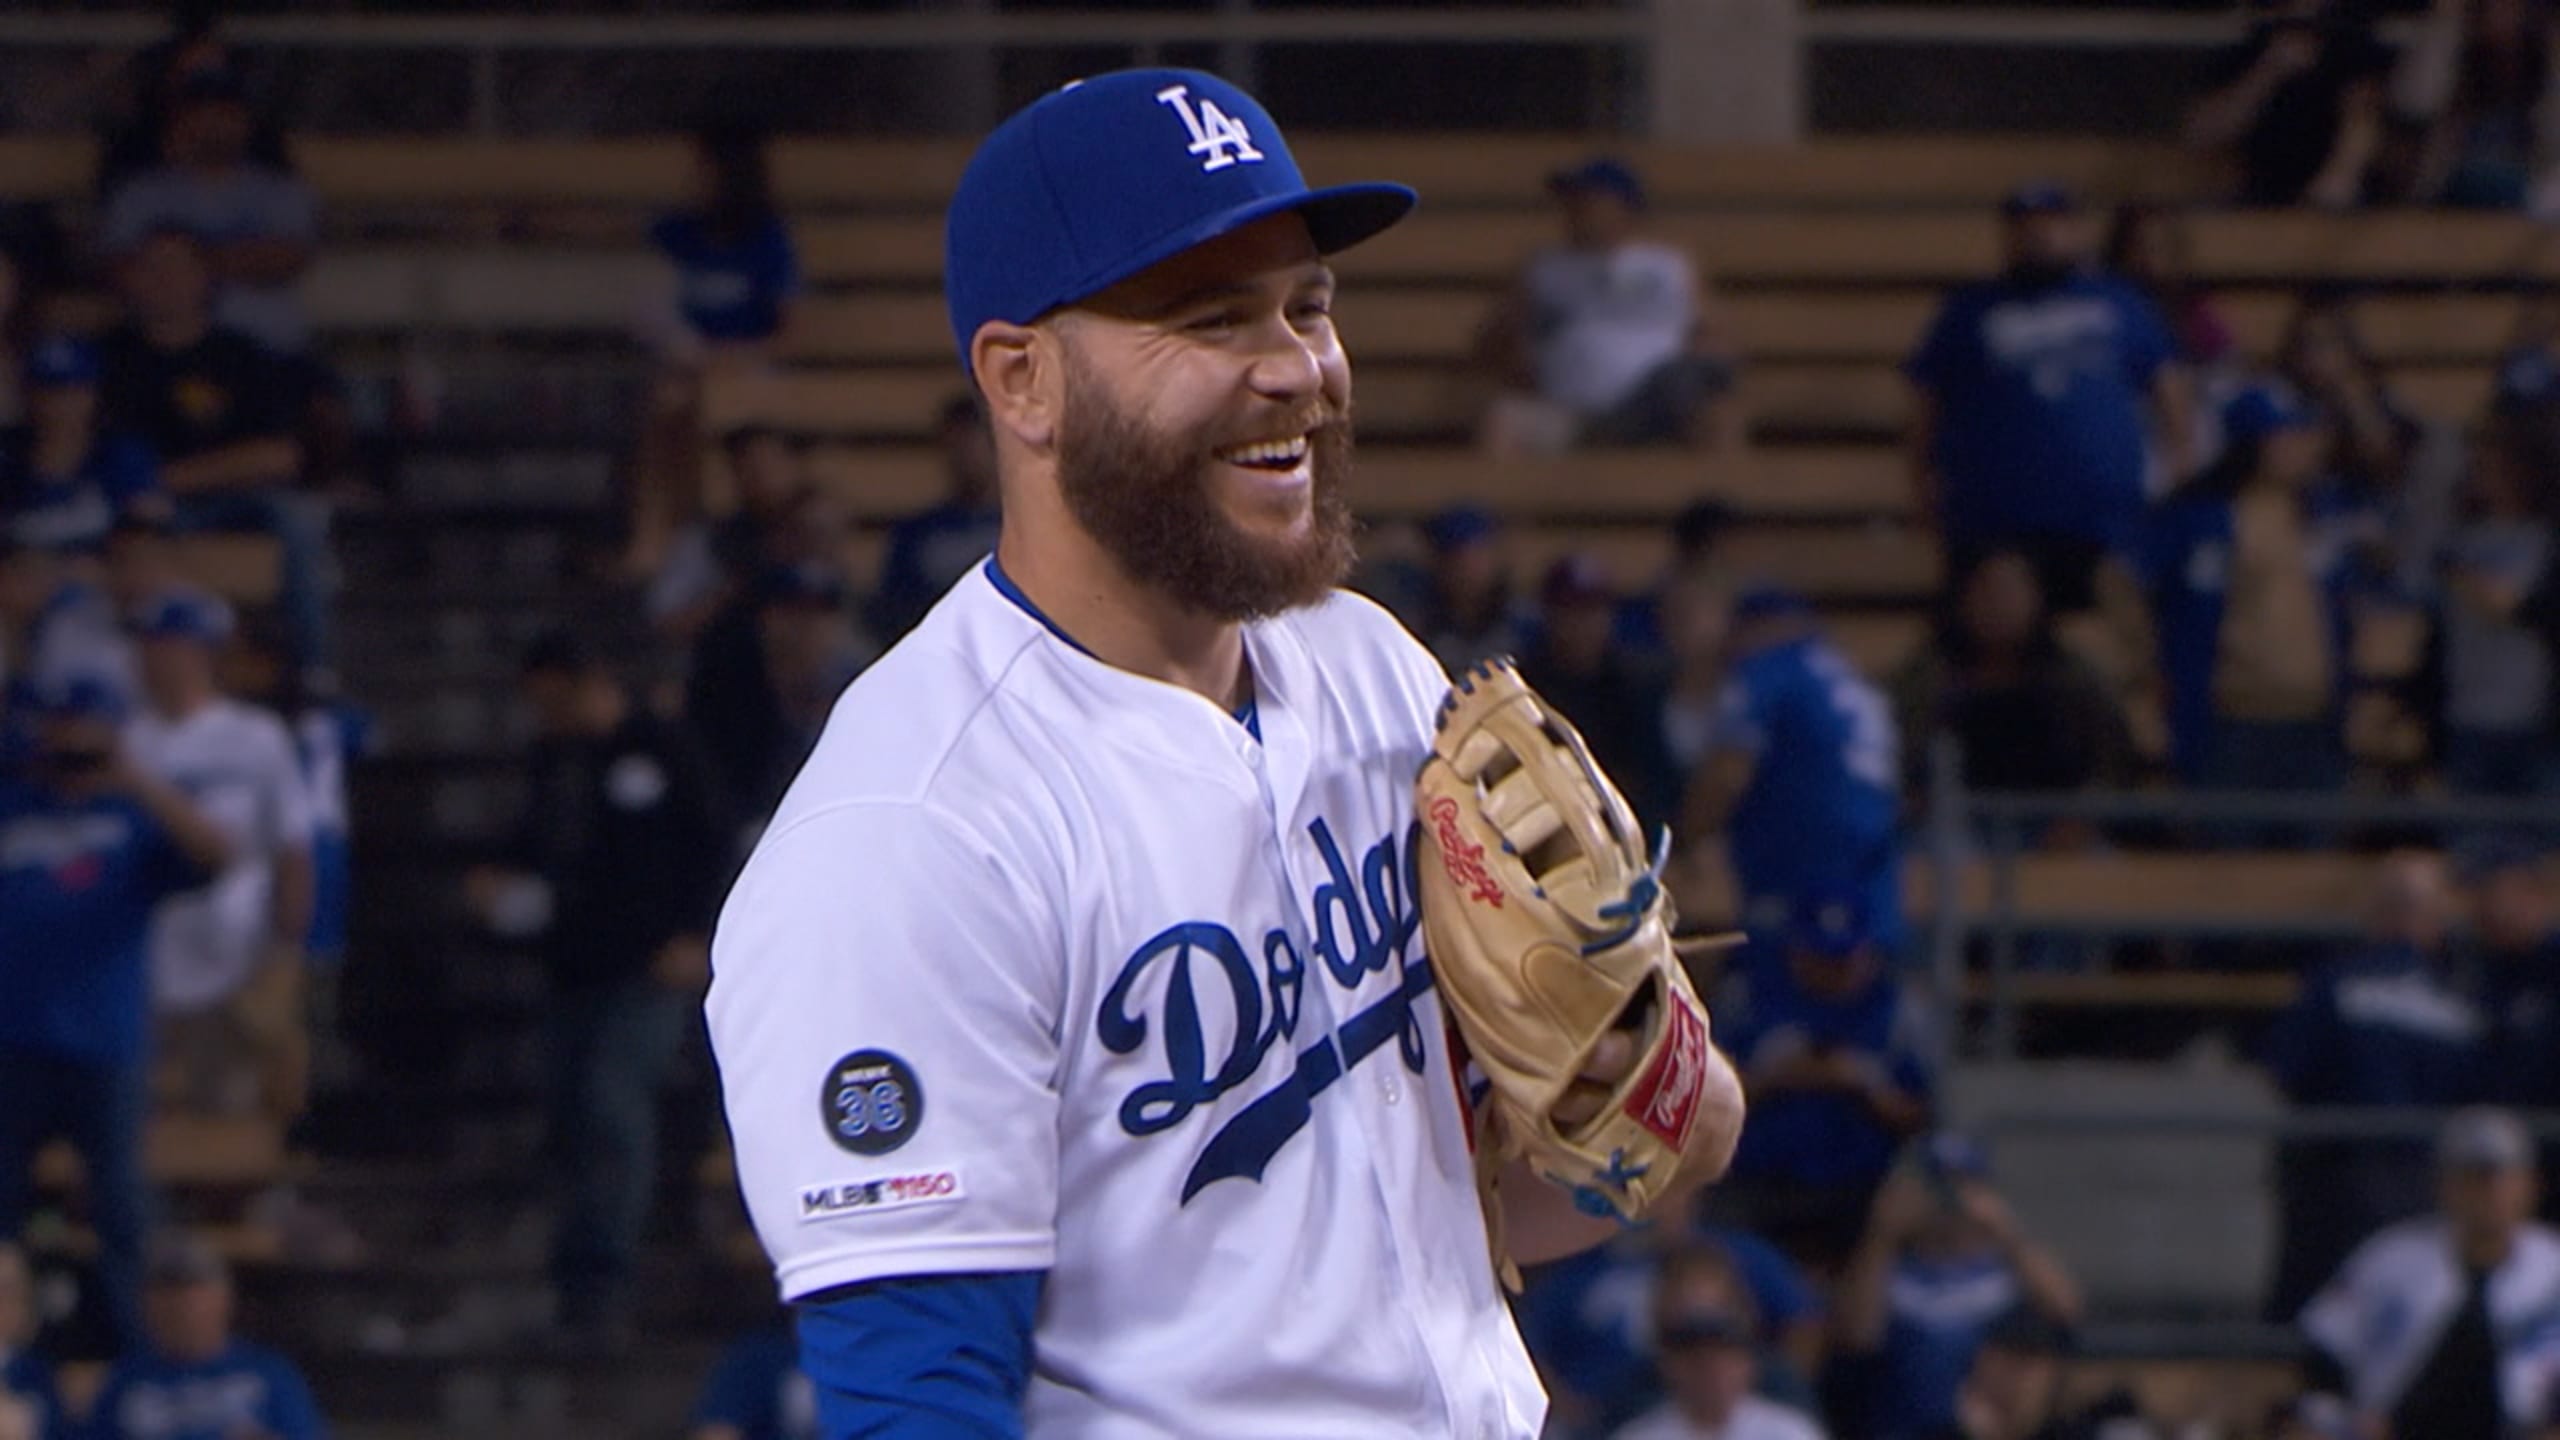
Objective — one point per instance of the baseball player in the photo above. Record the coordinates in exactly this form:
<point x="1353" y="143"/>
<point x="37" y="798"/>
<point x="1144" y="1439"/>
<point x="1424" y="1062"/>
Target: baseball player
<point x="1086" y="1071"/>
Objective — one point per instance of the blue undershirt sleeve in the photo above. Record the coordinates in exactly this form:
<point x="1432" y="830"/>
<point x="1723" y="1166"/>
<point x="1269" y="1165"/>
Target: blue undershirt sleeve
<point x="921" y="1356"/>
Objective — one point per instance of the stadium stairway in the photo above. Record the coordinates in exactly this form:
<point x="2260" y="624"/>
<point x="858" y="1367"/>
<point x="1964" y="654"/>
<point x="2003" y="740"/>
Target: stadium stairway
<point x="430" y="1152"/>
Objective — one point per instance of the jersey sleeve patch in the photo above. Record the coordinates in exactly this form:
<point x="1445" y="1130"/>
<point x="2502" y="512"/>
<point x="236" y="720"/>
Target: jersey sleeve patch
<point x="871" y="1103"/>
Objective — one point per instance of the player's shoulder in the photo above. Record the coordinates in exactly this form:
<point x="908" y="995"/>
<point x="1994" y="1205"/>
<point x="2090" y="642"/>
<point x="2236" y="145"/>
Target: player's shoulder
<point x="1353" y="640"/>
<point x="957" y="710"/>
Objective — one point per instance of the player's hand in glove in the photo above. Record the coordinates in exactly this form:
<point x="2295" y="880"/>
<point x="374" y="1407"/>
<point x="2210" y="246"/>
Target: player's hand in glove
<point x="1551" y="943"/>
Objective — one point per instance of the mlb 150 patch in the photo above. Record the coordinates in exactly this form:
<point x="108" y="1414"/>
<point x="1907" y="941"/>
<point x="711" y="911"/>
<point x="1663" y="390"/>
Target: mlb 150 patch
<point x="871" y="1102"/>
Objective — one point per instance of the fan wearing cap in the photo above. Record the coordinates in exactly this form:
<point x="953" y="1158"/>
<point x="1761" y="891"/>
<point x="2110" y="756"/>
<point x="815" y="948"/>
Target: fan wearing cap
<point x="195" y="1379"/>
<point x="1468" y="607"/>
<point x="1085" y="1069"/>
<point x="2443" y="1325"/>
<point x="2037" y="397"/>
<point x="1943" y="1261"/>
<point x="1706" y="1344"/>
<point x="1606" y="338"/>
<point x="1835" y="1056"/>
<point x="2249" y="607"/>
<point x="226" y="965"/>
<point x="63" y="478"/>
<point x="57" y="624"/>
<point x="1609" y="692"/>
<point x="90" y="844"/>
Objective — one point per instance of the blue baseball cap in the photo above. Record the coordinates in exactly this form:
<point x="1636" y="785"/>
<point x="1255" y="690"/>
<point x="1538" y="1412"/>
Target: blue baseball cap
<point x="2262" y="410"/>
<point x="183" y="613"/>
<point x="62" y="360"/>
<point x="80" y="695"/>
<point x="1601" y="175"/>
<point x="1096" y="181"/>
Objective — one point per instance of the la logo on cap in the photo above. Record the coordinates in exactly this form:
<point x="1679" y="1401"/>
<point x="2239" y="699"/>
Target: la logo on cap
<point x="1215" y="134"/>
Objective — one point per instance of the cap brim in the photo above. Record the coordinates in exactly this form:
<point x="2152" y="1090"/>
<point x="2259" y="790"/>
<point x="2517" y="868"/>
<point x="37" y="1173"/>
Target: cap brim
<point x="1338" y="217"/>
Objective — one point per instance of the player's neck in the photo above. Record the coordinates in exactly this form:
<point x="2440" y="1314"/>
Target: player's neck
<point x="1125" y="624"/>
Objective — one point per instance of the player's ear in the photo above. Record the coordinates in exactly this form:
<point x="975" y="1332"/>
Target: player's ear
<point x="1017" y="369"/>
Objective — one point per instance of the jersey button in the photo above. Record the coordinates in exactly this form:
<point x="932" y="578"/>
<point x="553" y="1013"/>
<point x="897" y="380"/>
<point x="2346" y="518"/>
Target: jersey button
<point x="1394" y="1092"/>
<point x="1252" y="756"/>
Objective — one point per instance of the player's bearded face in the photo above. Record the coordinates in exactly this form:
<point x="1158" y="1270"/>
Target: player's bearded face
<point x="1159" y="503"/>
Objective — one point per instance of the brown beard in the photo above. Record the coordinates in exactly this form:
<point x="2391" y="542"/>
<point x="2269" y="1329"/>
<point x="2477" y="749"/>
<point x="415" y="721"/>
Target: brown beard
<point x="1145" y="499"/>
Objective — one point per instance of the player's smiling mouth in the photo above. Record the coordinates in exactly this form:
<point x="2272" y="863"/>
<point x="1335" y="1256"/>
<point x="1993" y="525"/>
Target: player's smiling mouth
<point x="1276" y="456"/>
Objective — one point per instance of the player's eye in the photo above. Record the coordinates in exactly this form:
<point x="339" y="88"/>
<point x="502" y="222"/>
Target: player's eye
<point x="1308" y="311"/>
<point x="1216" y="322"/>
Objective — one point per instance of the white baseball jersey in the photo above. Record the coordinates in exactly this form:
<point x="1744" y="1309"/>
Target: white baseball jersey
<point x="1044" y="965"/>
<point x="2384" y="1312"/>
<point x="236" y="761"/>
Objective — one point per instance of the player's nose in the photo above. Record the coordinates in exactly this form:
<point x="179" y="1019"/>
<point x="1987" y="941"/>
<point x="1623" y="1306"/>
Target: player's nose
<point x="1287" y="366"/>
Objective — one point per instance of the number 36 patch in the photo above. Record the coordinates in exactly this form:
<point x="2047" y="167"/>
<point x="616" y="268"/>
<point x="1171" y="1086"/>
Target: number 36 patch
<point x="871" y="1103"/>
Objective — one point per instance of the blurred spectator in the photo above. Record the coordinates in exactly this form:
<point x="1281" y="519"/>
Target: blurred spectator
<point x="2498" y="670"/>
<point x="1696" y="611"/>
<point x="329" y="736"/>
<point x="711" y="560"/>
<point x="56" y="625"/>
<point x="219" y="413"/>
<point x="759" y="1392"/>
<point x="1469" y="611"/>
<point x="63" y="477"/>
<point x="1695" y="532"/>
<point x="2473" y="91"/>
<point x="195" y="1379"/>
<point x="2519" y="940"/>
<point x="2014" y="1389"/>
<point x="1611" y="694"/>
<point x="227" y="964"/>
<point x="2442" y="1325"/>
<point x="618" y="865"/>
<point x="258" y="224"/>
<point x="26" y="1378"/>
<point x="153" y="80"/>
<point x="1606" y="339"/>
<point x="1835" y="1058"/>
<point x="2149" y="247"/>
<point x="1588" y="1322"/>
<point x="90" y="844"/>
<point x="731" y="286"/>
<point x="2025" y="712"/>
<point x="758" y="714"/>
<point x="930" y="551"/>
<point x="1801" y="772"/>
<point x="2394" y="1022"/>
<point x="1943" y="1259"/>
<point x="1705" y="1335"/>
<point x="2326" y="361"/>
<point x="2301" y="102"/>
<point x="2038" y="396"/>
<point x="2251" y="642"/>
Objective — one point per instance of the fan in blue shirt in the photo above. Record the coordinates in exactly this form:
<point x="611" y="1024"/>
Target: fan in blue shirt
<point x="62" y="480"/>
<point x="1837" y="1063"/>
<point x="1801" y="773"/>
<point x="195" y="1380"/>
<point x="759" y="1392"/>
<point x="736" y="271"/>
<point x="2037" y="391"/>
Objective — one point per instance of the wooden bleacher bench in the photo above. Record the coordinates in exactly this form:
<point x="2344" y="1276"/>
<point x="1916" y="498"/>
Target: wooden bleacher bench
<point x="1744" y="250"/>
<point x="190" y="1152"/>
<point x="1796" y="483"/>
<point x="1453" y="170"/>
<point x="1829" y="398"/>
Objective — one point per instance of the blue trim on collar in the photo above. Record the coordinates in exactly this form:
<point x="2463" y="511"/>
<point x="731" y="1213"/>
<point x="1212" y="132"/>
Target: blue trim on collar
<point x="1006" y="588"/>
<point x="1249" y="715"/>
